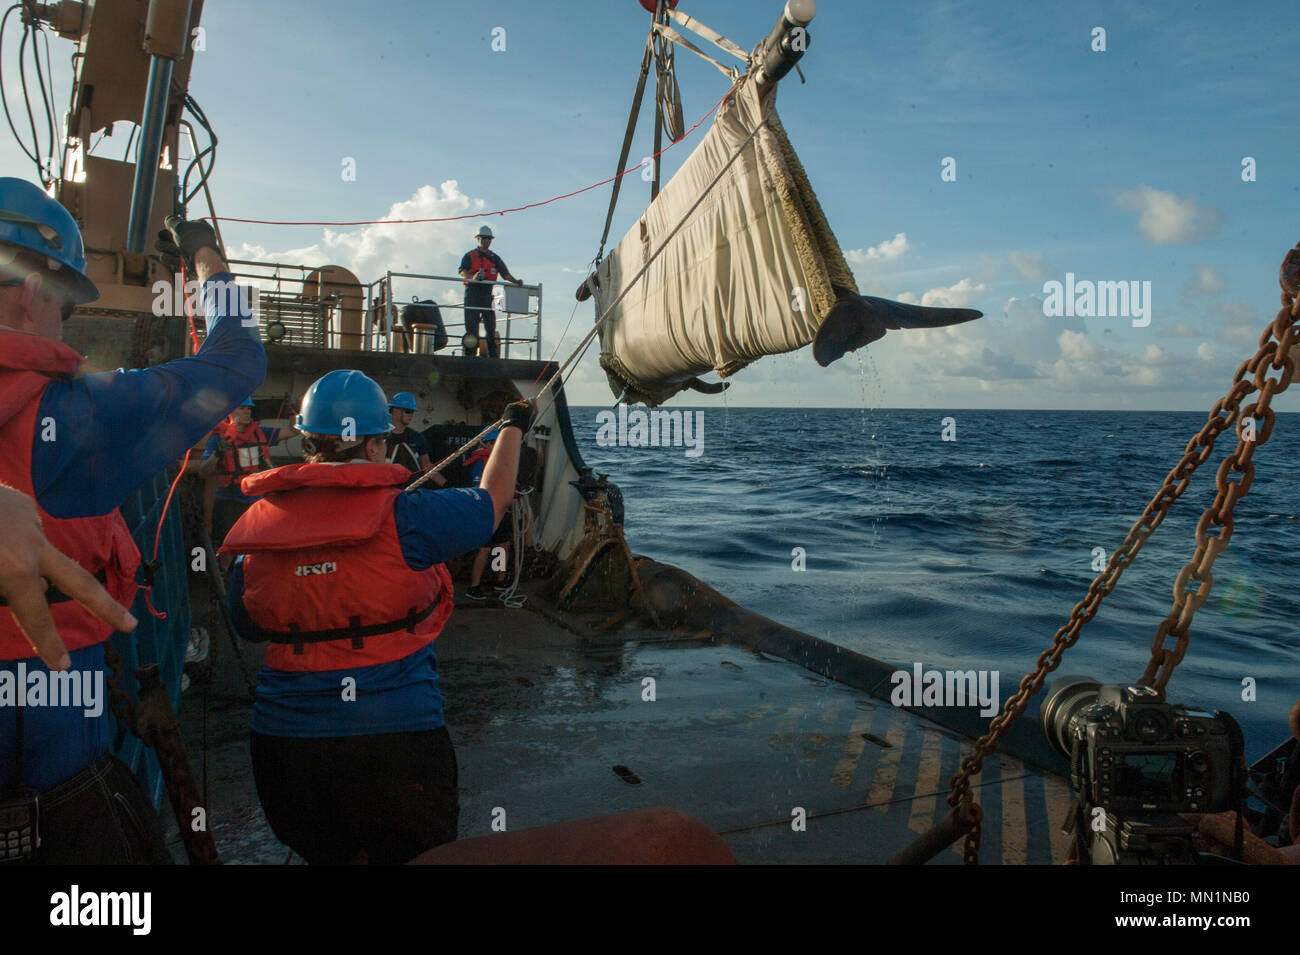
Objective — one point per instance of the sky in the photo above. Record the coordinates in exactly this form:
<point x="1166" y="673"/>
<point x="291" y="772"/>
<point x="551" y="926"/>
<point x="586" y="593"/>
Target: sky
<point x="1123" y="164"/>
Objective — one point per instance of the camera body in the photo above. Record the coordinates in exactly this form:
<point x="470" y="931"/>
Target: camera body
<point x="1135" y="753"/>
<point x="1136" y="763"/>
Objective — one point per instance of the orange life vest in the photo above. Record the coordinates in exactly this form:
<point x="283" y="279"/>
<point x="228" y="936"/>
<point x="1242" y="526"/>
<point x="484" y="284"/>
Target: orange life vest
<point x="240" y="458"/>
<point x="324" y="575"/>
<point x="102" y="545"/>
<point x="477" y="260"/>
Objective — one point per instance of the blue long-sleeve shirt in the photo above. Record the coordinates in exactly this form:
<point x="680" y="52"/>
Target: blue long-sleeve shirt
<point x="116" y="430"/>
<point x="397" y="697"/>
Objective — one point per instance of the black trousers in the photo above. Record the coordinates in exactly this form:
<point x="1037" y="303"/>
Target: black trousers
<point x="389" y="795"/>
<point x="488" y="317"/>
<point x="100" y="817"/>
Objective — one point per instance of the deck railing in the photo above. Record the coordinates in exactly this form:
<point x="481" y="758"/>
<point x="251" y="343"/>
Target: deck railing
<point x="327" y="309"/>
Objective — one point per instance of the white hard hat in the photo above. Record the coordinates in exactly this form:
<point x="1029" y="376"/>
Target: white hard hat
<point x="486" y="231"/>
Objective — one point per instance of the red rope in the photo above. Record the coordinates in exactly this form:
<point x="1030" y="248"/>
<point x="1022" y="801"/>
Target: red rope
<point x="189" y="315"/>
<point x="162" y="518"/>
<point x="157" y="537"/>
<point x="497" y="212"/>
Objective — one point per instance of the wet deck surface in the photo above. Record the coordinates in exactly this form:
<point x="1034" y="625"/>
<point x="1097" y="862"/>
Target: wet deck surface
<point x="541" y="717"/>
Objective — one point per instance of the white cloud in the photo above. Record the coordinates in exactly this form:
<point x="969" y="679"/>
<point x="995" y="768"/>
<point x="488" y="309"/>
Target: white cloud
<point x="1167" y="219"/>
<point x="1032" y="266"/>
<point x="1241" y="325"/>
<point x="1178" y="330"/>
<point x="954" y="296"/>
<point x="427" y="248"/>
<point x="1076" y="347"/>
<point x="887" y="251"/>
<point x="1205" y="282"/>
<point x="1205" y="351"/>
<point x="374" y="249"/>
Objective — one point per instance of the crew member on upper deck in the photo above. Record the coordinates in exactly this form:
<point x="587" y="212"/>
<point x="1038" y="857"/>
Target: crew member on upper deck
<point x="483" y="265"/>
<point x="79" y="446"/>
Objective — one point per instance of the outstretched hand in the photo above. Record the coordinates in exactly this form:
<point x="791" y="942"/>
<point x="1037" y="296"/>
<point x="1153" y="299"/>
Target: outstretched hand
<point x="25" y="558"/>
<point x="518" y="414"/>
<point x="182" y="239"/>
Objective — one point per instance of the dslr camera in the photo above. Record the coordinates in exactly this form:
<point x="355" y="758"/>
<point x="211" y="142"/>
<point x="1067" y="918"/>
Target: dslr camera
<point x="1141" y="761"/>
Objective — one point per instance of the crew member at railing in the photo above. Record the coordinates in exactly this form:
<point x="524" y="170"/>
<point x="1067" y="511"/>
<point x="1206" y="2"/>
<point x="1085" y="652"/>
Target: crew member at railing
<point x="239" y="446"/>
<point x="79" y="446"/>
<point x="481" y="266"/>
<point x="344" y="574"/>
<point x="406" y="446"/>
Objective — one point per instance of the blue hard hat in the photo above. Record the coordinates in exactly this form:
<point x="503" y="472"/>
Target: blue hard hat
<point x="404" y="400"/>
<point x="345" y="394"/>
<point x="29" y="219"/>
<point x="247" y="403"/>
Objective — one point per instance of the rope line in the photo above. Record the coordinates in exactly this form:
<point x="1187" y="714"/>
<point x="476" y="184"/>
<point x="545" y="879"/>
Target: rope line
<point x="495" y="212"/>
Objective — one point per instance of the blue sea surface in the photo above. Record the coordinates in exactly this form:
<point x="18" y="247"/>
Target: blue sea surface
<point x="971" y="553"/>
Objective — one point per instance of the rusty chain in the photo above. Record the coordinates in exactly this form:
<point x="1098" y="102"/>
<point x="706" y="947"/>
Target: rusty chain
<point x="119" y="700"/>
<point x="1275" y="353"/>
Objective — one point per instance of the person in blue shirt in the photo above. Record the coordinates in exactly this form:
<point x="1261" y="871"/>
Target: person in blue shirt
<point x="406" y="446"/>
<point x="342" y="574"/>
<point x="479" y="267"/>
<point x="79" y="446"/>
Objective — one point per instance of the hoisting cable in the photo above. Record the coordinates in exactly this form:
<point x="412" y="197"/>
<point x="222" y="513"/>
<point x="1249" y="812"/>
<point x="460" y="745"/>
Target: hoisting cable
<point x="635" y="112"/>
<point x="713" y="36"/>
<point x="595" y="329"/>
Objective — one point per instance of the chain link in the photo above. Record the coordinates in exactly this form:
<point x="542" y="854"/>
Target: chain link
<point x="1276" y="346"/>
<point x="119" y="700"/>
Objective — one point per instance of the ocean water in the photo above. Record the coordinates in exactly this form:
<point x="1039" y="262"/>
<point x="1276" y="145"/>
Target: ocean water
<point x="970" y="554"/>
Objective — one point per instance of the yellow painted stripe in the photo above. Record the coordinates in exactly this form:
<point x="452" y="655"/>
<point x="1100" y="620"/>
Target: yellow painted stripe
<point x="830" y="712"/>
<point x="853" y="746"/>
<point x="882" y="784"/>
<point x="1015" y="836"/>
<point x="792" y="716"/>
<point x="1057" y="795"/>
<point x="927" y="782"/>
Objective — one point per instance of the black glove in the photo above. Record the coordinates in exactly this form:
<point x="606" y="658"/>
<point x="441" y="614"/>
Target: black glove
<point x="182" y="239"/>
<point x="518" y="414"/>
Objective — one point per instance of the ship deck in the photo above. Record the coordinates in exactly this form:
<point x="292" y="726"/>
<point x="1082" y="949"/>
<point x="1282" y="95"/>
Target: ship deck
<point x="542" y="715"/>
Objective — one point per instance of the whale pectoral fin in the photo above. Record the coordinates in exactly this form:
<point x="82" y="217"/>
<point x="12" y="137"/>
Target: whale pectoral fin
<point x="902" y="315"/>
<point x="857" y="320"/>
<point x="851" y="324"/>
<point x="708" y="387"/>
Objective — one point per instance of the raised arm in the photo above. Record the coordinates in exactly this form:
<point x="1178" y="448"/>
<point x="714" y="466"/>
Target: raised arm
<point x="115" y="430"/>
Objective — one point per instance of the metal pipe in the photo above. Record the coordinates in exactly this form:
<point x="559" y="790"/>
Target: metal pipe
<point x="539" y="319"/>
<point x="787" y="42"/>
<point x="152" y="126"/>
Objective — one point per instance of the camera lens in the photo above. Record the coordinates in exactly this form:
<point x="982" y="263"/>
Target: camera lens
<point x="1065" y="698"/>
